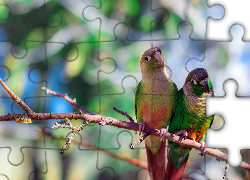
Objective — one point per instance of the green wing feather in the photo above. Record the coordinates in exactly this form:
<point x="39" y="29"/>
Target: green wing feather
<point x="138" y="89"/>
<point x="178" y="117"/>
<point x="178" y="153"/>
<point x="176" y="99"/>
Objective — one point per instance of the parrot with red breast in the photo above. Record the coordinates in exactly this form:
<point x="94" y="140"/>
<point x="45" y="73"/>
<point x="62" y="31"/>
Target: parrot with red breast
<point x="155" y="101"/>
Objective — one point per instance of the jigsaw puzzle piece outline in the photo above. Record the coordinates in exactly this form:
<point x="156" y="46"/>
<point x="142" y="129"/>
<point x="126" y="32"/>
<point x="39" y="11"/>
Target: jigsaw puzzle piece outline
<point x="225" y="60"/>
<point x="18" y="51"/>
<point x="86" y="149"/>
<point x="189" y="11"/>
<point x="128" y="107"/>
<point x="114" y="167"/>
<point x="218" y="30"/>
<point x="179" y="51"/>
<point x="115" y="22"/>
<point x="226" y="106"/>
<point x="23" y="152"/>
<point x="8" y="72"/>
<point x="12" y="61"/>
<point x="23" y="162"/>
<point x="201" y="170"/>
<point x="104" y="162"/>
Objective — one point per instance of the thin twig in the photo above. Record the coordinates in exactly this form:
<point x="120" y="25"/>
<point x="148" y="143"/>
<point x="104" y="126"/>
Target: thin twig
<point x="226" y="170"/>
<point x="18" y="100"/>
<point x="124" y="114"/>
<point x="135" y="162"/>
<point x="74" y="129"/>
<point x="69" y="100"/>
<point x="132" y="146"/>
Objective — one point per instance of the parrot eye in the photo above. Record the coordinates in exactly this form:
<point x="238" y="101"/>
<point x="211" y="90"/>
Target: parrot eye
<point x="193" y="81"/>
<point x="147" y="58"/>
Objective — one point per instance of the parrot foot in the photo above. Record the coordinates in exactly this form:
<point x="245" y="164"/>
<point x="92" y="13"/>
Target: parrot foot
<point x="183" y="134"/>
<point x="203" y="148"/>
<point x="141" y="128"/>
<point x="163" y="131"/>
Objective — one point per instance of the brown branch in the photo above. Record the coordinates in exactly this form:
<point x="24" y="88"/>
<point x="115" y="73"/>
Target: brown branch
<point x="133" y="161"/>
<point x="124" y="114"/>
<point x="125" y="125"/>
<point x="15" y="98"/>
<point x="120" y="124"/>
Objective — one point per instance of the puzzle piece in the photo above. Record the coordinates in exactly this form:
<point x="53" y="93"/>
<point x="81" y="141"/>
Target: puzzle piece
<point x="225" y="60"/>
<point x="124" y="139"/>
<point x="227" y="107"/>
<point x="195" y="12"/>
<point x="21" y="148"/>
<point x="113" y="52"/>
<point x="235" y="13"/>
<point x="30" y="35"/>
<point x="17" y="74"/>
<point x="195" y="170"/>
<point x="109" y="139"/>
<point x="73" y="159"/>
<point x="105" y="13"/>
<point x="164" y="13"/>
<point x="177" y="52"/>
<point x="21" y="151"/>
<point x="5" y="71"/>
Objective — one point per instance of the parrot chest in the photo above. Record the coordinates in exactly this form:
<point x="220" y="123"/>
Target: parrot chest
<point x="197" y="134"/>
<point x="154" y="118"/>
<point x="198" y="122"/>
<point x="154" y="115"/>
<point x="155" y="104"/>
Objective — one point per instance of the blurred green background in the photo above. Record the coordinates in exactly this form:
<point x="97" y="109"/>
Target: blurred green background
<point x="91" y="50"/>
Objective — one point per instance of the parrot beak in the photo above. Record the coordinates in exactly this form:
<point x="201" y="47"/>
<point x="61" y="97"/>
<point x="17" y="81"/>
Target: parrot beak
<point x="159" y="59"/>
<point x="205" y="86"/>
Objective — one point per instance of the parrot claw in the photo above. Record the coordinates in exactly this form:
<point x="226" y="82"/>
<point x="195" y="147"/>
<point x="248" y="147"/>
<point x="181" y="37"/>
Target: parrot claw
<point x="203" y="148"/>
<point x="163" y="131"/>
<point x="141" y="128"/>
<point x="183" y="134"/>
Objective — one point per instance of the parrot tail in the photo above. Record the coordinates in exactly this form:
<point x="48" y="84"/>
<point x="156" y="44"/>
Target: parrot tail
<point x="175" y="173"/>
<point x="157" y="163"/>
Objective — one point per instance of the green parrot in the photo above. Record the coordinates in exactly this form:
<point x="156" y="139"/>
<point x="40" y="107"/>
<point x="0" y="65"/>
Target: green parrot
<point x="190" y="120"/>
<point x="155" y="101"/>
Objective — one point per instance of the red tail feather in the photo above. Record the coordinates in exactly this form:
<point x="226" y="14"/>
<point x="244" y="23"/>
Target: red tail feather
<point x="157" y="163"/>
<point x="175" y="173"/>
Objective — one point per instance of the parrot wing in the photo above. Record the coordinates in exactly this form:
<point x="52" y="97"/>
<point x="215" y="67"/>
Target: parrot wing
<point x="179" y="114"/>
<point x="138" y="89"/>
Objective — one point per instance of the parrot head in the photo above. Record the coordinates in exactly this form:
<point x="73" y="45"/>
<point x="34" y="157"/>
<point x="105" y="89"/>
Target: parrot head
<point x="199" y="83"/>
<point x="152" y="60"/>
